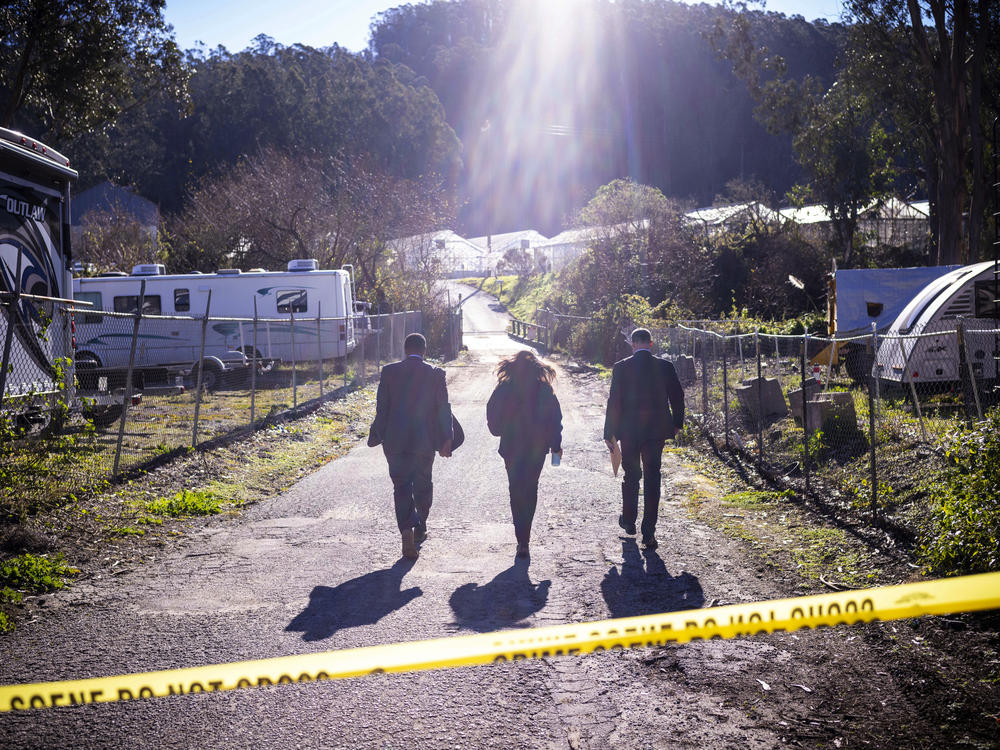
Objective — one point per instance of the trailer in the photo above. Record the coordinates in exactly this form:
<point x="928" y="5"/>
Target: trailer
<point x="303" y="314"/>
<point x="859" y="298"/>
<point x="922" y="345"/>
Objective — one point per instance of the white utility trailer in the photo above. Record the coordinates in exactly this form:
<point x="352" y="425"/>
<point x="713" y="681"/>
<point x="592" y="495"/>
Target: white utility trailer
<point x="922" y="346"/>
<point x="858" y="298"/>
<point x="303" y="314"/>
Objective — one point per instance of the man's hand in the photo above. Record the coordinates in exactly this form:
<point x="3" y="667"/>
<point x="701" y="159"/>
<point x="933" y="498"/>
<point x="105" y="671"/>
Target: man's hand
<point x="445" y="451"/>
<point x="611" y="445"/>
<point x="677" y="431"/>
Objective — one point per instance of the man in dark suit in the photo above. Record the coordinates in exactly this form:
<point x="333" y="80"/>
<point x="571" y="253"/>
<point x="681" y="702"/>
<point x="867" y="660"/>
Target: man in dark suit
<point x="645" y="408"/>
<point x="413" y="420"/>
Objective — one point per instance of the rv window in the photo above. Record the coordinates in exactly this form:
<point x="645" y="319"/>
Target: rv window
<point x="95" y="298"/>
<point x="182" y="300"/>
<point x="291" y="300"/>
<point x="987" y="292"/>
<point x="130" y="304"/>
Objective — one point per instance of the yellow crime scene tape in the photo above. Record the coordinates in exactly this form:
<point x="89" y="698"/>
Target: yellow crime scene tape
<point x="947" y="596"/>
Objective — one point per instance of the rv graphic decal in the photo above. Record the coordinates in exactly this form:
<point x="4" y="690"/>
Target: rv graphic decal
<point x="266" y="290"/>
<point x="22" y="208"/>
<point x="24" y="235"/>
<point x="106" y="339"/>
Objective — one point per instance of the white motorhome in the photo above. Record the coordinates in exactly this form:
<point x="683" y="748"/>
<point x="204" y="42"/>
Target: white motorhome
<point x="921" y="345"/>
<point x="287" y="305"/>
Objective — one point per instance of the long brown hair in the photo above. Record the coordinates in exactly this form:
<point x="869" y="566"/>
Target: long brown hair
<point x="523" y="369"/>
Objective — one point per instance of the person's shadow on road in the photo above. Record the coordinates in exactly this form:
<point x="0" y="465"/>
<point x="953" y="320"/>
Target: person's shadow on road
<point x="504" y="601"/>
<point x="644" y="587"/>
<point x="360" y="601"/>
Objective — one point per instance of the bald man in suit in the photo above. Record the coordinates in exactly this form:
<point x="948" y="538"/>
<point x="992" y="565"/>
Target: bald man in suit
<point x="645" y="409"/>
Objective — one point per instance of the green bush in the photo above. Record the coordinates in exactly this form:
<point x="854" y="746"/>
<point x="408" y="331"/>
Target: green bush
<point x="34" y="574"/>
<point x="185" y="503"/>
<point x="964" y="536"/>
<point x="602" y="338"/>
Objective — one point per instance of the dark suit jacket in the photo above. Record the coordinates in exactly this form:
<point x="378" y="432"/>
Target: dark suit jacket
<point x="527" y="423"/>
<point x="646" y="400"/>
<point x="412" y="414"/>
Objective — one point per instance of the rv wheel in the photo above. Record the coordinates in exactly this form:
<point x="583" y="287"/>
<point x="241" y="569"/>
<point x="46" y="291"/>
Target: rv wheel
<point x="263" y="365"/>
<point x="858" y="359"/>
<point x="86" y="364"/>
<point x="211" y="378"/>
<point x="104" y="416"/>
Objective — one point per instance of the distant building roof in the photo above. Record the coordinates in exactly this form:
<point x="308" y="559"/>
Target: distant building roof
<point x="571" y="237"/>
<point x="891" y="208"/>
<point x="721" y="215"/>
<point x="500" y="243"/>
<point x="105" y="196"/>
<point x="816" y="214"/>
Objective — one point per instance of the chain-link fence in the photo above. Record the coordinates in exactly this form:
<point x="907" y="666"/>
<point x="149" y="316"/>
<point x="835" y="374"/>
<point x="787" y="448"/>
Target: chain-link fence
<point x="147" y="385"/>
<point x="836" y="414"/>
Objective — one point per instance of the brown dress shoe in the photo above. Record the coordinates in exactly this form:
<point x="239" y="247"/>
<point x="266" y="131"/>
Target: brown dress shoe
<point x="410" y="551"/>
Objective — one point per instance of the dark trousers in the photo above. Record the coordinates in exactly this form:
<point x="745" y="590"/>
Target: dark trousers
<point x="522" y="478"/>
<point x="412" y="489"/>
<point x="641" y="460"/>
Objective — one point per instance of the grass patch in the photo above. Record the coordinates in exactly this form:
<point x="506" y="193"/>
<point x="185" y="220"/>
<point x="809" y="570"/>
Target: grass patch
<point x="34" y="574"/>
<point x="775" y="530"/>
<point x="187" y="503"/>
<point x="755" y="498"/>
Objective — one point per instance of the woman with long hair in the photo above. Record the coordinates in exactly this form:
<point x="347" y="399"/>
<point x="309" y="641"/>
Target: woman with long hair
<point x="524" y="412"/>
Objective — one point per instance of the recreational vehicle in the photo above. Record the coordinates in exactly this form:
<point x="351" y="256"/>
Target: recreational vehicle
<point x="922" y="346"/>
<point x="35" y="330"/>
<point x="287" y="304"/>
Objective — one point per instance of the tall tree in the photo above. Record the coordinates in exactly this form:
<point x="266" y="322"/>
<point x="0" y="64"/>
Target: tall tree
<point x="844" y="151"/>
<point x="69" y="66"/>
<point x="948" y="42"/>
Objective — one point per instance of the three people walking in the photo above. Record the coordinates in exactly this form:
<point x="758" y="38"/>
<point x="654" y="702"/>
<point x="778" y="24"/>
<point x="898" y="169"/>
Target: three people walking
<point x="413" y="420"/>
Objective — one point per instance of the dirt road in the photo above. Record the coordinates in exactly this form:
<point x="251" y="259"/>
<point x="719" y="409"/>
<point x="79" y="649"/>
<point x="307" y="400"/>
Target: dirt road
<point x="318" y="568"/>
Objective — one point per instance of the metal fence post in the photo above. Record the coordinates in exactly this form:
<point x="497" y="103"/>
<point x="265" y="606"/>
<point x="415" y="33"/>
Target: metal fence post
<point x="253" y="366"/>
<point x="704" y="377"/>
<point x="805" y="414"/>
<point x="963" y="359"/>
<point x="873" y="471"/>
<point x="201" y="370"/>
<point x="127" y="396"/>
<point x="295" y="369"/>
<point x="392" y="336"/>
<point x="346" y="328"/>
<point x="12" y="306"/>
<point x="760" y="401"/>
<point x="725" y="389"/>
<point x="319" y="344"/>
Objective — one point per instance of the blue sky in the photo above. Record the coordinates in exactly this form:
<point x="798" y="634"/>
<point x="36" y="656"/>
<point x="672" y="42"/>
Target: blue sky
<point x="320" y="23"/>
